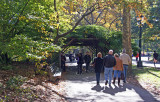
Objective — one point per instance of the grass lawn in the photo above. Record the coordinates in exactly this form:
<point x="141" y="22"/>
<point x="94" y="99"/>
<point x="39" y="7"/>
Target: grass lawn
<point x="148" y="77"/>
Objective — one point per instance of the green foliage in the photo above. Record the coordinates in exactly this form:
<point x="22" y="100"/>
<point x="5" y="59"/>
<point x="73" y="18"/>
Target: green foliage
<point x="15" y="82"/>
<point x="6" y="67"/>
<point x="1" y="85"/>
<point x="89" y="30"/>
<point x="27" y="29"/>
<point x="135" y="48"/>
<point x="23" y="48"/>
<point x="4" y="58"/>
<point x="115" y="40"/>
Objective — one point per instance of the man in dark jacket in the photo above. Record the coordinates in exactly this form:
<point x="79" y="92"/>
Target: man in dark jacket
<point x="80" y="63"/>
<point x="87" y="59"/>
<point x="109" y="61"/>
<point x="63" y="59"/>
<point x="155" y="58"/>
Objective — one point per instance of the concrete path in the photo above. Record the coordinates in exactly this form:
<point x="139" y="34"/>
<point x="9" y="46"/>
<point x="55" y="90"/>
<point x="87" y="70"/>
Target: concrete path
<point x="145" y="62"/>
<point x="82" y="88"/>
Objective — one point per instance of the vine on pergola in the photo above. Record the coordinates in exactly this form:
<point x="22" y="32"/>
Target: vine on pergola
<point x="96" y="37"/>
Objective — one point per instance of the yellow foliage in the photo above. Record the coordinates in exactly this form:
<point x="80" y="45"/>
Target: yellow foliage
<point x="22" y="18"/>
<point x="107" y="25"/>
<point x="42" y="28"/>
<point x="151" y="25"/>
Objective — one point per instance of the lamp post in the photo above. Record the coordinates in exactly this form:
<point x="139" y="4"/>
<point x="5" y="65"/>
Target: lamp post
<point x="140" y="20"/>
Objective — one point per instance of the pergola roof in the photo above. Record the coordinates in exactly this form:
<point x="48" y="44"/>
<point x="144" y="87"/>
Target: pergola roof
<point x="96" y="38"/>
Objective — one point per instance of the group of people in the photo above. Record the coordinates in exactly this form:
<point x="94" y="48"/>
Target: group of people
<point x="81" y="60"/>
<point x="110" y="63"/>
<point x="117" y="63"/>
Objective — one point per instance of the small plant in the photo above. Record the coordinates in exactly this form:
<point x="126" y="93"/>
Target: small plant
<point x="1" y="85"/>
<point x="7" y="67"/>
<point x="15" y="82"/>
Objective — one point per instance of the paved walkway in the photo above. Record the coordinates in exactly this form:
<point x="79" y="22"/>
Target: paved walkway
<point x="146" y="62"/>
<point x="82" y="88"/>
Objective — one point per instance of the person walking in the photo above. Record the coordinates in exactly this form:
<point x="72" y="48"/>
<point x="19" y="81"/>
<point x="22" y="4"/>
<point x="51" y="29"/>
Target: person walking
<point x="98" y="64"/>
<point x="70" y="57"/>
<point x="118" y="68"/>
<point x="79" y="62"/>
<point x="155" y="58"/>
<point x="63" y="59"/>
<point x="109" y="62"/>
<point x="126" y="61"/>
<point x="87" y="59"/>
<point x="137" y="56"/>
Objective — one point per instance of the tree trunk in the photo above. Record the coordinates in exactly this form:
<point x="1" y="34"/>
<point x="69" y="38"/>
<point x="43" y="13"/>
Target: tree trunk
<point x="126" y="37"/>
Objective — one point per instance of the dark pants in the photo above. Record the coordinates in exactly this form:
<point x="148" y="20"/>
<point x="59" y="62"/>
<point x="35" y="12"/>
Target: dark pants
<point x="87" y="66"/>
<point x="63" y="66"/>
<point x="79" y="68"/>
<point x="98" y="77"/>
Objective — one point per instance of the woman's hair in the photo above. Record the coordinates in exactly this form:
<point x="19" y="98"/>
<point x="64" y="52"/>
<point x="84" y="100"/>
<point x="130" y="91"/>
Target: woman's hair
<point x="116" y="55"/>
<point x="99" y="54"/>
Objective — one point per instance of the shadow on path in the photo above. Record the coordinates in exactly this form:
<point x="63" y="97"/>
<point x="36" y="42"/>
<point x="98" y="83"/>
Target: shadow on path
<point x="83" y="88"/>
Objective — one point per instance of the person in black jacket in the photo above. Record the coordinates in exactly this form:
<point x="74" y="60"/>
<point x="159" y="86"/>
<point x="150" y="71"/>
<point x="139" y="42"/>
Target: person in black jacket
<point x="87" y="59"/>
<point x="63" y="59"/>
<point x="79" y="62"/>
<point x="155" y="58"/>
<point x="98" y="64"/>
<point x="109" y="62"/>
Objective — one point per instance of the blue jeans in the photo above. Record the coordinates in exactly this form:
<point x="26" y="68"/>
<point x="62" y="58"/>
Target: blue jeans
<point x="108" y="73"/>
<point x="117" y="72"/>
<point x="125" y="67"/>
<point x="98" y="77"/>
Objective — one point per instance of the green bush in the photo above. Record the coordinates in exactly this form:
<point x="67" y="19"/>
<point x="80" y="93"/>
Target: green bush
<point x="1" y="85"/>
<point x="15" y="82"/>
<point x="6" y="67"/>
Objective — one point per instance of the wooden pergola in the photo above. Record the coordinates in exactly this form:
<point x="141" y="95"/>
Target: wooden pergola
<point x="91" y="43"/>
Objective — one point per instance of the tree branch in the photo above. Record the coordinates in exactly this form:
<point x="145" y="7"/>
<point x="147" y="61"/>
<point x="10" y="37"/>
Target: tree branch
<point x="92" y="17"/>
<point x="113" y="22"/>
<point x="98" y="16"/>
<point x="86" y="19"/>
<point x="85" y="14"/>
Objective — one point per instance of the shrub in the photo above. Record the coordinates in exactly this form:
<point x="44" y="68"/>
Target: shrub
<point x="15" y="82"/>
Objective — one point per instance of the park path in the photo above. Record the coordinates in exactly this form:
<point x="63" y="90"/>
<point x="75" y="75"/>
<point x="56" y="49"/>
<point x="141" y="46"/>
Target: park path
<point x="146" y="62"/>
<point x="82" y="88"/>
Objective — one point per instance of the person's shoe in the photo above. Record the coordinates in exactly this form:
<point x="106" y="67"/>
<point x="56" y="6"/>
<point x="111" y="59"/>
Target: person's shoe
<point x="106" y="82"/>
